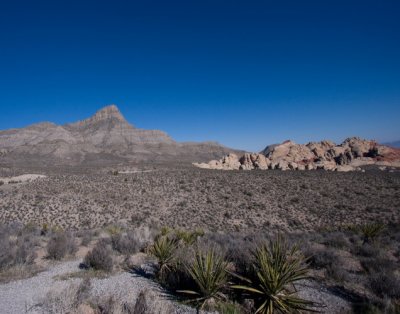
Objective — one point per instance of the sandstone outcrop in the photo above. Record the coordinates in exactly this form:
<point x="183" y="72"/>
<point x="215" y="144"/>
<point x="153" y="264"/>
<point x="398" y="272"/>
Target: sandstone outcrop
<point x="350" y="155"/>
<point x="232" y="162"/>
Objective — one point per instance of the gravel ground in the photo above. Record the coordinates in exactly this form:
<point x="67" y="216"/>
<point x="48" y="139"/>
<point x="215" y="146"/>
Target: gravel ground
<point x="328" y="302"/>
<point x="19" y="296"/>
<point x="24" y="296"/>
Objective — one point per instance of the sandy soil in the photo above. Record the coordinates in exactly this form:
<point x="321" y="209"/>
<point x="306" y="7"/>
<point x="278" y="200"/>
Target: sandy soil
<point x="22" y="178"/>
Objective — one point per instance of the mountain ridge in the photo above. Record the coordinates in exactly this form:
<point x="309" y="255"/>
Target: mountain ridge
<point x="106" y="135"/>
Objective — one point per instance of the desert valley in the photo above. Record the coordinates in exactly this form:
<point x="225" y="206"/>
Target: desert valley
<point x="103" y="217"/>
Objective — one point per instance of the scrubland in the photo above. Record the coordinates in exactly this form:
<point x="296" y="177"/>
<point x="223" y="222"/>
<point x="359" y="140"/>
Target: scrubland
<point x="212" y="200"/>
<point x="338" y="233"/>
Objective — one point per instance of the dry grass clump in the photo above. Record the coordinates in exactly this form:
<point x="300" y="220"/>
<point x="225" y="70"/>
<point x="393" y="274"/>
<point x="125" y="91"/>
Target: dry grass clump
<point x="67" y="300"/>
<point x="77" y="298"/>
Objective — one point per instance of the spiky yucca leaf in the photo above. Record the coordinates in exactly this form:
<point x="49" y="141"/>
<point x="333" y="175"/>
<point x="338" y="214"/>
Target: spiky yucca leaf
<point x="163" y="250"/>
<point x="277" y="267"/>
<point x="208" y="270"/>
<point x="371" y="230"/>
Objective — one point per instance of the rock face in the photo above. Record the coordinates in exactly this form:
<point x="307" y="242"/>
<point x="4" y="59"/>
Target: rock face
<point x="232" y="162"/>
<point x="104" y="138"/>
<point x="228" y="162"/>
<point x="348" y="156"/>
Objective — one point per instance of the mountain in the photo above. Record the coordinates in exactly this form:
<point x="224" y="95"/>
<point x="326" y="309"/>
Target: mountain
<point x="393" y="144"/>
<point x="347" y="156"/>
<point x="104" y="138"/>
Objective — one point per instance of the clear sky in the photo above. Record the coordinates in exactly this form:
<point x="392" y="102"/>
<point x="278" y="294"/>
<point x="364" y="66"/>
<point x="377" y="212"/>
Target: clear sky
<point x="244" y="73"/>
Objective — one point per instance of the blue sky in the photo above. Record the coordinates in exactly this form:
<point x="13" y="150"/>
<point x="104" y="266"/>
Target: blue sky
<point x="244" y="73"/>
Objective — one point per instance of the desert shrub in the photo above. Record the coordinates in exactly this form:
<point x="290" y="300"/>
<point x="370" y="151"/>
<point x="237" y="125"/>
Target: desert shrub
<point x="337" y="272"/>
<point x="77" y="299"/>
<point x="24" y="253"/>
<point x="87" y="237"/>
<point x="16" y="247"/>
<point x="366" y="250"/>
<point x="229" y="308"/>
<point x="60" y="245"/>
<point x="330" y="261"/>
<point x="385" y="284"/>
<point x="236" y="247"/>
<point x="322" y="258"/>
<point x="189" y="237"/>
<point x="60" y="301"/>
<point x="83" y="291"/>
<point x="45" y="229"/>
<point x="278" y="267"/>
<point x="108" y="305"/>
<point x="66" y="300"/>
<point x="336" y="240"/>
<point x="149" y="302"/>
<point x="377" y="264"/>
<point x="6" y="257"/>
<point x="209" y="273"/>
<point x="100" y="257"/>
<point x="113" y="229"/>
<point x="127" y="243"/>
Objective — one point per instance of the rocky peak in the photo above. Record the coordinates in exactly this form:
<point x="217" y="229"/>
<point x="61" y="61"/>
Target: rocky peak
<point x="108" y="112"/>
<point x="109" y="115"/>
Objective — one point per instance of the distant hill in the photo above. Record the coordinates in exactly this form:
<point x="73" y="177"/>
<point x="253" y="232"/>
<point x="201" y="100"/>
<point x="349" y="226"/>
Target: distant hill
<point x="393" y="144"/>
<point x="104" y="138"/>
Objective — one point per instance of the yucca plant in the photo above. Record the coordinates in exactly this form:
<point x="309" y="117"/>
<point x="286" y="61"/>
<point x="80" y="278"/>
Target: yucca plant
<point x="163" y="250"/>
<point x="370" y="231"/>
<point x="208" y="271"/>
<point x="277" y="267"/>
